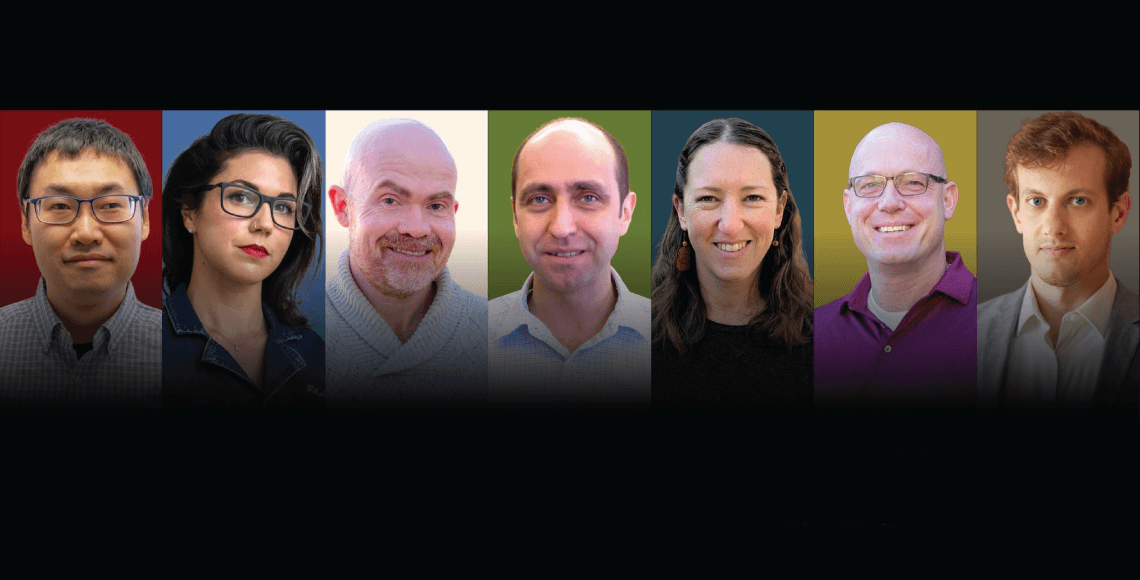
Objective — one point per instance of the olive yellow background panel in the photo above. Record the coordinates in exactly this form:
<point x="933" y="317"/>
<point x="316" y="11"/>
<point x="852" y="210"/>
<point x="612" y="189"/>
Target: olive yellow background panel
<point x="838" y="263"/>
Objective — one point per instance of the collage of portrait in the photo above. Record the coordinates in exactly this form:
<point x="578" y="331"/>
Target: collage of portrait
<point x="960" y="260"/>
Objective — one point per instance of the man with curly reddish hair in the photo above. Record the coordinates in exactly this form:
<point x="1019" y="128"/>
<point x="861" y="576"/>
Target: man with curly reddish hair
<point x="1069" y="336"/>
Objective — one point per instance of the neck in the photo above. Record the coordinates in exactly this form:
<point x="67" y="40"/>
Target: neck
<point x="1055" y="301"/>
<point x="574" y="317"/>
<point x="230" y="309"/>
<point x="403" y="314"/>
<point x="83" y="315"/>
<point x="723" y="301"/>
<point x="898" y="286"/>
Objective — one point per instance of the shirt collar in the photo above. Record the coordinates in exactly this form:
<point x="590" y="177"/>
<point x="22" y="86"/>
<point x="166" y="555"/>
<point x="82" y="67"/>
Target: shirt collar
<point x="46" y="322"/>
<point x="1097" y="310"/>
<point x="184" y="320"/>
<point x="956" y="282"/>
<point x="625" y="312"/>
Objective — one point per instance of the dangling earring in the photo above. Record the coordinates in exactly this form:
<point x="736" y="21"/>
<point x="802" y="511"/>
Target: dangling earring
<point x="685" y="255"/>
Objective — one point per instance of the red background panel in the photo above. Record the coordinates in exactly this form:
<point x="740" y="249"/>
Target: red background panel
<point x="18" y="129"/>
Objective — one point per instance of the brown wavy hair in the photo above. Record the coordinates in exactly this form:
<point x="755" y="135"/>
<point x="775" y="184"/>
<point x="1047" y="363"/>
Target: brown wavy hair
<point x="785" y="285"/>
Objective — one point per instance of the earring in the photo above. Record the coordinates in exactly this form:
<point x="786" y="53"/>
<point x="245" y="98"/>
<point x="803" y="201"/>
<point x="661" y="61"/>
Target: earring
<point x="685" y="255"/>
<point x="191" y="230"/>
<point x="775" y="242"/>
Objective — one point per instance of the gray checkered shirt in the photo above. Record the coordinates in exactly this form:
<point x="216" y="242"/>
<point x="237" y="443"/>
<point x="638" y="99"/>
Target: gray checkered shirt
<point x="526" y="365"/>
<point x="39" y="366"/>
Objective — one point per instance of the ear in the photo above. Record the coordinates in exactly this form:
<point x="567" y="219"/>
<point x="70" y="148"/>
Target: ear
<point x="1120" y="212"/>
<point x="1011" y="203"/>
<point x="339" y="199"/>
<point x="188" y="218"/>
<point x="627" y="211"/>
<point x="514" y="216"/>
<point x="848" y="200"/>
<point x="24" y="226"/>
<point x="780" y="209"/>
<point x="679" y="207"/>
<point x="145" y="219"/>
<point x="456" y="208"/>
<point x="950" y="198"/>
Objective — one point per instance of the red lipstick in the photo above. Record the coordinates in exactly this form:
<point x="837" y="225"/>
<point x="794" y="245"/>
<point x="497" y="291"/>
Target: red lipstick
<point x="255" y="250"/>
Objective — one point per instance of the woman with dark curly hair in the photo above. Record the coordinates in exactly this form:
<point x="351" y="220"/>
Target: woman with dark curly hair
<point x="241" y="220"/>
<point x="732" y="294"/>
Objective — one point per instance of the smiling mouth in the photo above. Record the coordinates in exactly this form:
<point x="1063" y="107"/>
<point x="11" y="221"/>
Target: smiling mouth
<point x="732" y="247"/>
<point x="892" y="229"/>
<point x="408" y="252"/>
<point x="565" y="254"/>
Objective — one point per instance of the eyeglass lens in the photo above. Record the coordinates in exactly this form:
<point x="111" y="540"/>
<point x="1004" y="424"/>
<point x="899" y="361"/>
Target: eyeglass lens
<point x="107" y="208"/>
<point x="242" y="202"/>
<point x="907" y="184"/>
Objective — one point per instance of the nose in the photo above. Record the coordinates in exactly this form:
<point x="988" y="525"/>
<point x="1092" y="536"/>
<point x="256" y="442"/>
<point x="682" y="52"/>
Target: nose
<point x="413" y="223"/>
<point x="562" y="222"/>
<point x="891" y="200"/>
<point x="1055" y="221"/>
<point x="731" y="217"/>
<point x="86" y="230"/>
<point x="263" y="219"/>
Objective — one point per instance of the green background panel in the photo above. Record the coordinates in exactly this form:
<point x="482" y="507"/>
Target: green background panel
<point x="506" y="268"/>
<point x="838" y="263"/>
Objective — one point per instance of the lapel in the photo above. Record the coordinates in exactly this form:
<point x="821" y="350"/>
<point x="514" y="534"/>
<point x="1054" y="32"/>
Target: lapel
<point x="997" y="327"/>
<point x="1120" y="370"/>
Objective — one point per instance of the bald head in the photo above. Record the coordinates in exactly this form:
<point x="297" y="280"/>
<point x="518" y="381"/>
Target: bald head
<point x="898" y="141"/>
<point x="588" y="135"/>
<point x="396" y="142"/>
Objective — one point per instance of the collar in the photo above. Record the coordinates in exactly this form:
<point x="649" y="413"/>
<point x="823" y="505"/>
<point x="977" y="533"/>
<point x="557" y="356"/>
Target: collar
<point x="956" y="282"/>
<point x="1097" y="310"/>
<point x="184" y="320"/>
<point x="49" y="328"/>
<point x="626" y="313"/>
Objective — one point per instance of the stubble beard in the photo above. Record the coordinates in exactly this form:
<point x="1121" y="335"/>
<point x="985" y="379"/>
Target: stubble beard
<point x="401" y="280"/>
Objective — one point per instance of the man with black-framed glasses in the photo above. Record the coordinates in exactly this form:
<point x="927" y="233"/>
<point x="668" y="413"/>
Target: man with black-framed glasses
<point x="906" y="335"/>
<point x="83" y="339"/>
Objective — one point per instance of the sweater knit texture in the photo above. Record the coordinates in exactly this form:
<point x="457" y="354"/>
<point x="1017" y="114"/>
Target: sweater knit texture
<point x="443" y="363"/>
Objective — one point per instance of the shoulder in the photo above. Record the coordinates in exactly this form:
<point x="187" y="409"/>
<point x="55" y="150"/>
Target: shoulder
<point x="15" y="312"/>
<point x="468" y="301"/>
<point x="504" y="314"/>
<point x="1006" y="304"/>
<point x="830" y="310"/>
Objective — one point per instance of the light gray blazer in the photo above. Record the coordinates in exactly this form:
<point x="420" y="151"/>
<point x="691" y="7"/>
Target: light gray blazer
<point x="1119" y="383"/>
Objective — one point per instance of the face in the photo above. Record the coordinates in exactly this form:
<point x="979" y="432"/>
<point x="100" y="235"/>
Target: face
<point x="892" y="229"/>
<point x="86" y="260"/>
<point x="567" y="214"/>
<point x="239" y="250"/>
<point x="730" y="211"/>
<point x="400" y="211"/>
<point x="1064" y="218"/>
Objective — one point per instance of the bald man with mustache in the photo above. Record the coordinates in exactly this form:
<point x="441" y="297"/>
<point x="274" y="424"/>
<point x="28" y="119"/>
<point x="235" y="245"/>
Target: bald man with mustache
<point x="401" y="331"/>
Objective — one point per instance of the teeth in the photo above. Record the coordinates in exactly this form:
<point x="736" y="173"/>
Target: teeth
<point x="406" y="252"/>
<point x="567" y="254"/>
<point x="732" y="247"/>
<point x="888" y="229"/>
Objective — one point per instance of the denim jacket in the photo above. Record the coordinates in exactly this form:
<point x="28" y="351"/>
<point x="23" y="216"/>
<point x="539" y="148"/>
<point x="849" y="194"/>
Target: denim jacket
<point x="199" y="371"/>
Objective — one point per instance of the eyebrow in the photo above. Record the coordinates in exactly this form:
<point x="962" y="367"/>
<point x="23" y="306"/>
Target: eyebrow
<point x="106" y="188"/>
<point x="245" y="183"/>
<point x="404" y="192"/>
<point x="1079" y="190"/>
<point x="574" y="186"/>
<point x="745" y="188"/>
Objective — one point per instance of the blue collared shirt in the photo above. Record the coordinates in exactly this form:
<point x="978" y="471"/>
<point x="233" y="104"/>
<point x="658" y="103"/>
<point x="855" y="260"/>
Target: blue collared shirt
<point x="39" y="366"/>
<point x="527" y="365"/>
<point x="197" y="370"/>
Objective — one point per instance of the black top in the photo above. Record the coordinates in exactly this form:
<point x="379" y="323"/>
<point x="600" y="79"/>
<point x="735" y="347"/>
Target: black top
<point x="732" y="367"/>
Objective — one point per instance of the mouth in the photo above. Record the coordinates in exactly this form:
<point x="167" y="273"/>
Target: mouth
<point x="892" y="229"/>
<point x="569" y="254"/>
<point x="255" y="250"/>
<point x="1056" y="250"/>
<point x="733" y="247"/>
<point x="87" y="259"/>
<point x="409" y="252"/>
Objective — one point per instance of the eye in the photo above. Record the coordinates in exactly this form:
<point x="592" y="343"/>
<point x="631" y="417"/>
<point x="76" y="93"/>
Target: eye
<point x="1035" y="201"/>
<point x="754" y="198"/>
<point x="538" y="200"/>
<point x="239" y="197"/>
<point x="705" y="198"/>
<point x="1079" y="201"/>
<point x="589" y="197"/>
<point x="437" y="206"/>
<point x="388" y="201"/>
<point x="284" y="208"/>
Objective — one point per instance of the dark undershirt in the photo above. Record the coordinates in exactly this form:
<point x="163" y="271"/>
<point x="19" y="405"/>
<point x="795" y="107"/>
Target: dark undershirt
<point x="82" y="348"/>
<point x="728" y="367"/>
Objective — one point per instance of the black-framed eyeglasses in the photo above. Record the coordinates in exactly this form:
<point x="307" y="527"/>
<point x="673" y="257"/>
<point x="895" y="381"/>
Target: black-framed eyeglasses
<point x="62" y="209"/>
<point x="913" y="183"/>
<point x="243" y="202"/>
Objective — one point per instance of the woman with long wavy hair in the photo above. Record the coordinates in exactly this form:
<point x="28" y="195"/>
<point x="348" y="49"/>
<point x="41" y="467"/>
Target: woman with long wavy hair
<point x="242" y="221"/>
<point x="732" y="293"/>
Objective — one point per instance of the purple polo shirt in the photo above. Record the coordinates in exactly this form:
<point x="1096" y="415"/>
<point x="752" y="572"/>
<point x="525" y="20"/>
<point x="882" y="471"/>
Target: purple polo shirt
<point x="929" y="360"/>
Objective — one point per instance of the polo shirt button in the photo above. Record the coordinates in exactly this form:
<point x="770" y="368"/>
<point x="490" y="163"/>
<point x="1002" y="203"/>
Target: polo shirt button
<point x="887" y="348"/>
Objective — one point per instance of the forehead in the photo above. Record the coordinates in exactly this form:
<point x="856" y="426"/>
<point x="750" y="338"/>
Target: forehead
<point x="568" y="152"/>
<point x="409" y="156"/>
<point x="89" y="168"/>
<point x="722" y="161"/>
<point x="892" y="150"/>
<point x="1082" y="169"/>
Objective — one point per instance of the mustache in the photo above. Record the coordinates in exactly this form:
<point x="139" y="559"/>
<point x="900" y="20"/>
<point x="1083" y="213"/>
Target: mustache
<point x="429" y="243"/>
